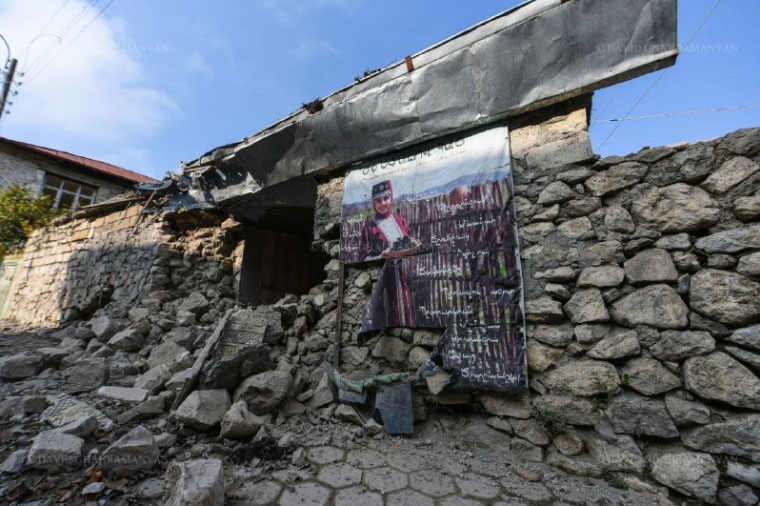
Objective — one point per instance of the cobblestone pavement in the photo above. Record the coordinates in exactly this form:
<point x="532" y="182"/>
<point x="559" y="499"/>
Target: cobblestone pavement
<point x="409" y="472"/>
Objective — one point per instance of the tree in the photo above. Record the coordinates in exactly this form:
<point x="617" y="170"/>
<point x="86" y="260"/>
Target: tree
<point x="21" y="213"/>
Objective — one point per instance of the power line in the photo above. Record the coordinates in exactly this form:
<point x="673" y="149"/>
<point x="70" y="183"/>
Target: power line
<point x="47" y="23"/>
<point x="63" y="49"/>
<point x="659" y="77"/>
<point x="679" y="113"/>
<point x="35" y="65"/>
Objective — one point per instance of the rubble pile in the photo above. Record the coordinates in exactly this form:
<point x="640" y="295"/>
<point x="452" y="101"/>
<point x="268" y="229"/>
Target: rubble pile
<point x="642" y="292"/>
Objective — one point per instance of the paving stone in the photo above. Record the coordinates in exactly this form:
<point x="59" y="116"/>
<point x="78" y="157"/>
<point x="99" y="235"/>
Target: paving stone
<point x="475" y="485"/>
<point x="321" y="455"/>
<point x="385" y="479"/>
<point x="357" y="496"/>
<point x="305" y="494"/>
<point x="407" y="462"/>
<point x="340" y="475"/>
<point x="259" y="494"/>
<point x="530" y="491"/>
<point x="432" y="483"/>
<point x="455" y="500"/>
<point x="365" y="459"/>
<point x="408" y="498"/>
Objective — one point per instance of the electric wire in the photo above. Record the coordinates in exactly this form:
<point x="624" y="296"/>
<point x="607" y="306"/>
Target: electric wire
<point x="46" y="56"/>
<point x="679" y="113"/>
<point x="73" y="39"/>
<point x="659" y="77"/>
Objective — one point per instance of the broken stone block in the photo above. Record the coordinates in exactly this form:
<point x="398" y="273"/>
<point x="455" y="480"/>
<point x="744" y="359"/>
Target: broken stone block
<point x="687" y="412"/>
<point x="232" y="363"/>
<point x="87" y="374"/>
<point x="15" y="462"/>
<point x="181" y="336"/>
<point x="167" y="354"/>
<point x="348" y="414"/>
<point x="263" y="392"/>
<point x="325" y="393"/>
<point x="55" y="450"/>
<point x="195" y="483"/>
<point x="84" y="427"/>
<point x="194" y="303"/>
<point x="154" y="379"/>
<point x="20" y="366"/>
<point x="133" y="395"/>
<point x="103" y="327"/>
<point x="675" y="345"/>
<point x="203" y="408"/>
<point x="239" y="423"/>
<point x="151" y="407"/>
<point x="135" y="451"/>
<point x="130" y="339"/>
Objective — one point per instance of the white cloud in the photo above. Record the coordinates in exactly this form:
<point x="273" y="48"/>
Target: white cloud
<point x="308" y="49"/>
<point x="95" y="90"/>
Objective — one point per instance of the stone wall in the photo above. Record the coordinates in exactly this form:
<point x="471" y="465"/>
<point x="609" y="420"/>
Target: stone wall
<point x="110" y="262"/>
<point x="642" y="281"/>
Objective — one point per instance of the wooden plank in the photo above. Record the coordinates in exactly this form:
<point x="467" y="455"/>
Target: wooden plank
<point x="187" y="385"/>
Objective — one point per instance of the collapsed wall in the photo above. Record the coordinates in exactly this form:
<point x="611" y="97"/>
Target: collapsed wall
<point x="642" y="284"/>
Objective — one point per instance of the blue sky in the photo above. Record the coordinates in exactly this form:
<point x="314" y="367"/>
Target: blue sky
<point x="148" y="84"/>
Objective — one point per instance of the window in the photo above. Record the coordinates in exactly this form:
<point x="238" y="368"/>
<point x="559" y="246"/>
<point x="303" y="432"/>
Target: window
<point x="67" y="193"/>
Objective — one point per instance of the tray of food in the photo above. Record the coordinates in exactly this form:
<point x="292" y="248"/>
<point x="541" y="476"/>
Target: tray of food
<point x="402" y="246"/>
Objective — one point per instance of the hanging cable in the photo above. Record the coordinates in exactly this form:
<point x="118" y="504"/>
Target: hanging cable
<point x="659" y="78"/>
<point x="63" y="49"/>
<point x="680" y="113"/>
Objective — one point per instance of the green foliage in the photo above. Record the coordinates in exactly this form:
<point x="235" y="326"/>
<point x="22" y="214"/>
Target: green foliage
<point x="20" y="214"/>
<point x="551" y="420"/>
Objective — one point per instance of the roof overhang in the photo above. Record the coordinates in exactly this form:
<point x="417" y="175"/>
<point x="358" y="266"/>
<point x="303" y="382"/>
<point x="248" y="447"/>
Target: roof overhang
<point x="537" y="54"/>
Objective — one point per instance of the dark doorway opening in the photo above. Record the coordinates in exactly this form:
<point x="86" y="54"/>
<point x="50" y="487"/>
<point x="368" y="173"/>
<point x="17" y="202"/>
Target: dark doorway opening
<point x="277" y="256"/>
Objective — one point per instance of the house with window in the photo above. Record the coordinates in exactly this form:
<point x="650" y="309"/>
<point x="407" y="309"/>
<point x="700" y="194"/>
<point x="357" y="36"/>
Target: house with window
<point x="72" y="181"/>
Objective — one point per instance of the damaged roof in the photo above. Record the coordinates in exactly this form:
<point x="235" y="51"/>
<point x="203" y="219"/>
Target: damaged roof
<point x="536" y="54"/>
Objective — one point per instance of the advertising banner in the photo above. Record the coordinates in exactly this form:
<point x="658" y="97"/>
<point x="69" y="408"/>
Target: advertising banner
<point x="442" y="216"/>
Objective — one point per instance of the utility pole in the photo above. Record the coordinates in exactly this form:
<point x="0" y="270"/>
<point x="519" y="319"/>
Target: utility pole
<point x="7" y="82"/>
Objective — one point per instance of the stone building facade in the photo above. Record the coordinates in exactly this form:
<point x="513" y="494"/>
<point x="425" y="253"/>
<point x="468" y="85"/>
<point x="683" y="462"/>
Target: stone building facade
<point x="72" y="180"/>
